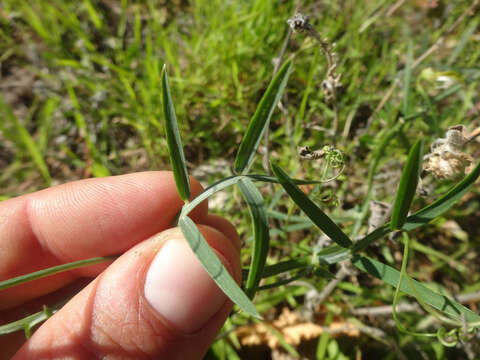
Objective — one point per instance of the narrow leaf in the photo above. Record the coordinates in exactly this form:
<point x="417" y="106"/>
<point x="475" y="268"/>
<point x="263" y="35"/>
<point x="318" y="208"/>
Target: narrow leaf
<point x="258" y="212"/>
<point x="408" y="185"/>
<point x="323" y="273"/>
<point x="209" y="191"/>
<point x="174" y="142"/>
<point x="273" y="179"/>
<point x="311" y="210"/>
<point x="261" y="118"/>
<point x="229" y="181"/>
<point x="333" y="254"/>
<point x="214" y="266"/>
<point x="391" y="276"/>
<point x="371" y="237"/>
<point x="441" y="205"/>
<point x="300" y="274"/>
<point x="284" y="266"/>
<point x="428" y="213"/>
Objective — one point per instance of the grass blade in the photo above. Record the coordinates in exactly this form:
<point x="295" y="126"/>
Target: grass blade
<point x="391" y="276"/>
<point x="463" y="41"/>
<point x="407" y="78"/>
<point x="258" y="212"/>
<point x="408" y="185"/>
<point x="92" y="12"/>
<point x="45" y="123"/>
<point x="448" y="92"/>
<point x="318" y="217"/>
<point x="23" y="137"/>
<point x="214" y="266"/>
<point x="175" y="149"/>
<point x="261" y="118"/>
<point x="98" y="167"/>
<point x="34" y="152"/>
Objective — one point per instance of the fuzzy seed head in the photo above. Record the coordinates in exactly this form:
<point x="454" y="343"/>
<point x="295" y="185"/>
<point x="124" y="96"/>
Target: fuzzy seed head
<point x="446" y="159"/>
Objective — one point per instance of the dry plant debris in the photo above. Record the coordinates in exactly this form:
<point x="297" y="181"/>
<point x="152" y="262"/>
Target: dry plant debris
<point x="292" y="328"/>
<point x="446" y="159"/>
<point x="331" y="84"/>
<point x="379" y="214"/>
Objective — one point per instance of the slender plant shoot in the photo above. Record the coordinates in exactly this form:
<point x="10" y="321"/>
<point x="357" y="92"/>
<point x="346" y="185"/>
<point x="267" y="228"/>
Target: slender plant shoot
<point x="175" y="148"/>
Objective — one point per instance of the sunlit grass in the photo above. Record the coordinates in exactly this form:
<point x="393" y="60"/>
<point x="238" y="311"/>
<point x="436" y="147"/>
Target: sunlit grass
<point x="88" y="102"/>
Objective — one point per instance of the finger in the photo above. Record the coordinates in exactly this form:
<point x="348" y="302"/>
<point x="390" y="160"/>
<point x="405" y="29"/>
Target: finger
<point x="10" y="343"/>
<point x="225" y="226"/>
<point x="155" y="301"/>
<point x="79" y="220"/>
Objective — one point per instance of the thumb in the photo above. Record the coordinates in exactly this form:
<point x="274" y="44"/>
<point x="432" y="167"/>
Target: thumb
<point x="155" y="301"/>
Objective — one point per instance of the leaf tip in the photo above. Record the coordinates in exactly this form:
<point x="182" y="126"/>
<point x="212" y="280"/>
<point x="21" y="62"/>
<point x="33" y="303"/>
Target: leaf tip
<point x="258" y="316"/>
<point x="163" y="74"/>
<point x="275" y="169"/>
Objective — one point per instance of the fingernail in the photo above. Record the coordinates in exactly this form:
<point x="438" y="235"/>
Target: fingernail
<point x="179" y="288"/>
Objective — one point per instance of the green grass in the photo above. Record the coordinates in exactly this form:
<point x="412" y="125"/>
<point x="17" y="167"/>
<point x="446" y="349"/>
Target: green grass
<point x="81" y="96"/>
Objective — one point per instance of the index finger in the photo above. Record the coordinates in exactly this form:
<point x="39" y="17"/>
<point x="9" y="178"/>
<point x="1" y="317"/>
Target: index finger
<point x="83" y="219"/>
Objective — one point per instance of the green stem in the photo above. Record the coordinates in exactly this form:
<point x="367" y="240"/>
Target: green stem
<point x="371" y="173"/>
<point x="53" y="270"/>
<point x="397" y="292"/>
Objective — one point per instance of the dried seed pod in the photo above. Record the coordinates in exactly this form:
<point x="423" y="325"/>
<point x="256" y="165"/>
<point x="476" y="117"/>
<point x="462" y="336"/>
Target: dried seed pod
<point x="305" y="153"/>
<point x="299" y="23"/>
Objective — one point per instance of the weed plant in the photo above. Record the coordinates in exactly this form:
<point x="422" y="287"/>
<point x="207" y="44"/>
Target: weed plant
<point x="369" y="102"/>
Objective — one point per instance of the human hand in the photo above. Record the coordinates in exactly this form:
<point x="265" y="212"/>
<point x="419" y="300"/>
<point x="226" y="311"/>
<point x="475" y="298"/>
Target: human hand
<point x="154" y="301"/>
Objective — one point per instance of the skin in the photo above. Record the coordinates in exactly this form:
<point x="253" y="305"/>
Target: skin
<point x="110" y="316"/>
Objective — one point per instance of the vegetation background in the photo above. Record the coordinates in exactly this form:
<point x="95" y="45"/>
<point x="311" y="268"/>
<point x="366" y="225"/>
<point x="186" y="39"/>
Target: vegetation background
<point x="80" y="96"/>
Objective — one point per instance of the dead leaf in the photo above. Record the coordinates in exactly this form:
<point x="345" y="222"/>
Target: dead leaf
<point x="293" y="329"/>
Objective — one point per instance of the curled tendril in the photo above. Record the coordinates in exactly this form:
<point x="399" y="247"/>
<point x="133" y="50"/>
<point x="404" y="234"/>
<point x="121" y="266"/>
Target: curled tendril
<point x="468" y="330"/>
<point x="328" y="197"/>
<point x="331" y="158"/>
<point x="449" y="339"/>
<point x="334" y="156"/>
<point x="334" y="159"/>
